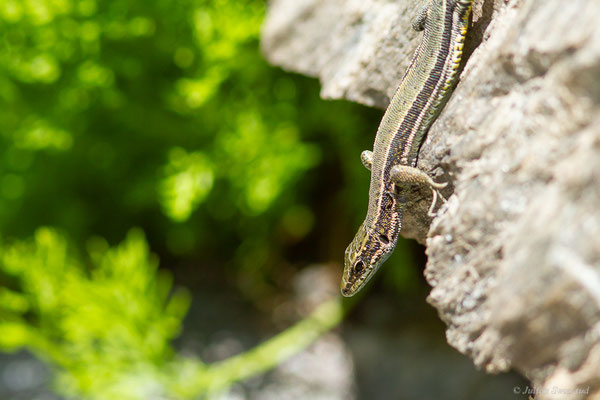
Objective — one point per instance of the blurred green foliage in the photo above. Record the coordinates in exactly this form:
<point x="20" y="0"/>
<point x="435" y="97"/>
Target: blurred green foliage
<point x="108" y="326"/>
<point x="102" y="325"/>
<point x="161" y="115"/>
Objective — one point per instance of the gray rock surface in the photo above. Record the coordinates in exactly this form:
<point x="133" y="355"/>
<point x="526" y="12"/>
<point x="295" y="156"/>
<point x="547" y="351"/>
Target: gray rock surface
<point x="514" y="256"/>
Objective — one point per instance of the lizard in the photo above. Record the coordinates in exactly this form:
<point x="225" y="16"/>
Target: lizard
<point x="422" y="93"/>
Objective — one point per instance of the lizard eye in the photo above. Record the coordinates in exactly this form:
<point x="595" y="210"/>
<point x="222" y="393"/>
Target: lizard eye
<point x="384" y="239"/>
<point x="359" y="267"/>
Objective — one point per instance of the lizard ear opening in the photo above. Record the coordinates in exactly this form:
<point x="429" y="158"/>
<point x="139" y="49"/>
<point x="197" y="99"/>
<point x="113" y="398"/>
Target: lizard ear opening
<point x="388" y="201"/>
<point x="384" y="239"/>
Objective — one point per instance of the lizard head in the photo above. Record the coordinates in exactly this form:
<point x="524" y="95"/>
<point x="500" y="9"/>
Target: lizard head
<point x="365" y="254"/>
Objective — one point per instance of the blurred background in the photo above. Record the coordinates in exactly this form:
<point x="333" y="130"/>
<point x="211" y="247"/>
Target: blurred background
<point x="173" y="216"/>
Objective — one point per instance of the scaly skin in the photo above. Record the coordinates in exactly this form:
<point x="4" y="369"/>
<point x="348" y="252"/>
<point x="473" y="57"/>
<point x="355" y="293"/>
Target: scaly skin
<point x="421" y="95"/>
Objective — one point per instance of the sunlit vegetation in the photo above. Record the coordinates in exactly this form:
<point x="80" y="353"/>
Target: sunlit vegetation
<point x="163" y="116"/>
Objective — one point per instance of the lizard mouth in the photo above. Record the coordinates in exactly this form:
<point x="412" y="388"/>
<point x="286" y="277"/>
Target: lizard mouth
<point x="347" y="290"/>
<point x="349" y="281"/>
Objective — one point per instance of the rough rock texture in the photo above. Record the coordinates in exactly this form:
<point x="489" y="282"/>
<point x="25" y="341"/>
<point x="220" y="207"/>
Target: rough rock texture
<point x="514" y="256"/>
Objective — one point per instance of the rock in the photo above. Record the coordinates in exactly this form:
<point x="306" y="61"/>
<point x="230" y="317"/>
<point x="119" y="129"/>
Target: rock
<point x="514" y="256"/>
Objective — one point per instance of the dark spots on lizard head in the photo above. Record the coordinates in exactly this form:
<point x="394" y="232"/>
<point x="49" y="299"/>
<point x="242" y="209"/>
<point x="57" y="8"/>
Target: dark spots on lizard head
<point x="365" y="254"/>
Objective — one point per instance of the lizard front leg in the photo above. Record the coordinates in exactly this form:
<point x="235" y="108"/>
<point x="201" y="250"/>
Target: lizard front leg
<point x="402" y="174"/>
<point x="418" y="22"/>
<point x="366" y="157"/>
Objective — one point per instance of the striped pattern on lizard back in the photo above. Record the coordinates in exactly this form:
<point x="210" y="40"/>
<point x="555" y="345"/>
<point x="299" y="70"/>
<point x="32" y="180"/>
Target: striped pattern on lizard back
<point x="422" y="93"/>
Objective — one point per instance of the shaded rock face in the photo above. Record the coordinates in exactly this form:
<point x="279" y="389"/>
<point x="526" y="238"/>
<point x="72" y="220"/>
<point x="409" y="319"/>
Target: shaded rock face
<point x="514" y="256"/>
